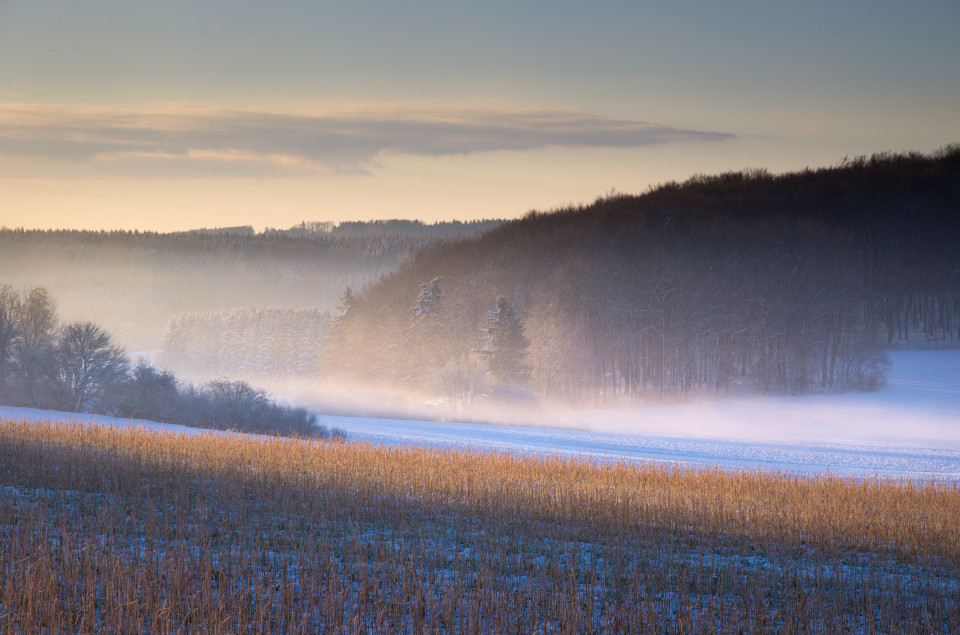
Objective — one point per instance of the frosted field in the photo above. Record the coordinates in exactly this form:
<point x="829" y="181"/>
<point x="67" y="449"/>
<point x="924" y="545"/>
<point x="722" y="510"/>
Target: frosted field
<point x="910" y="428"/>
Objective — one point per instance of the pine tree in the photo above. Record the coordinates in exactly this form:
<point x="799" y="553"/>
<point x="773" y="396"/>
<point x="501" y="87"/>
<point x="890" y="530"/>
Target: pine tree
<point x="429" y="302"/>
<point x="505" y="345"/>
<point x="346" y="303"/>
<point x="339" y="342"/>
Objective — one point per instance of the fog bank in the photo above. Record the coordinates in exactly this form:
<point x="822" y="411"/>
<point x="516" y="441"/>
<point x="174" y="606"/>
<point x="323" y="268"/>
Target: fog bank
<point x="919" y="407"/>
<point x="910" y="428"/>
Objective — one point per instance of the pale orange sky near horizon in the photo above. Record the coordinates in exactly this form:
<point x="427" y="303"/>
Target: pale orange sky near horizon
<point x="118" y="115"/>
<point x="501" y="185"/>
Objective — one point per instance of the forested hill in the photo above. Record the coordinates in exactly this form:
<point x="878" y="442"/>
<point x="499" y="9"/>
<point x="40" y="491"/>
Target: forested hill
<point x="135" y="283"/>
<point x="740" y="282"/>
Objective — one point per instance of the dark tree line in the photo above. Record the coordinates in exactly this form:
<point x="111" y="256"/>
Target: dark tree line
<point x="741" y="282"/>
<point x="76" y="367"/>
<point x="393" y="227"/>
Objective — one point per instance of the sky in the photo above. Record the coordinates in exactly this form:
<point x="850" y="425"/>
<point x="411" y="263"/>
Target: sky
<point x="136" y="114"/>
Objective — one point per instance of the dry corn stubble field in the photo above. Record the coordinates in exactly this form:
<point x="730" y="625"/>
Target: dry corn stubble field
<point x="130" y="530"/>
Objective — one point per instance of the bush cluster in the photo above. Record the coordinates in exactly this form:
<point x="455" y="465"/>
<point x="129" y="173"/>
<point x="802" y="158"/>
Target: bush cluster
<point x="150" y="393"/>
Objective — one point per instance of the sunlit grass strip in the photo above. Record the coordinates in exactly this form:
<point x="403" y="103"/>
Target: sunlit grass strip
<point x="127" y="529"/>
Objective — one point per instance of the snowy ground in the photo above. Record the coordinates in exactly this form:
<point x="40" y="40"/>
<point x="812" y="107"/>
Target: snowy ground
<point x="32" y="414"/>
<point x="910" y="428"/>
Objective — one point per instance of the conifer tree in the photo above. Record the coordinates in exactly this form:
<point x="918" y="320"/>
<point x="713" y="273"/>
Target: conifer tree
<point x="429" y="302"/>
<point x="346" y="303"/>
<point x="505" y="346"/>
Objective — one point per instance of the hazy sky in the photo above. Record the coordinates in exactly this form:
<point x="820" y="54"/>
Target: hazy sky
<point x="178" y="114"/>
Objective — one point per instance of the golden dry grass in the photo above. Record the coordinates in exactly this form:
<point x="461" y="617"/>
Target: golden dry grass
<point x="109" y="530"/>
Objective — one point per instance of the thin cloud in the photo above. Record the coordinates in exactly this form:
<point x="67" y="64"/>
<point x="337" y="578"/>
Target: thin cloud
<point x="223" y="142"/>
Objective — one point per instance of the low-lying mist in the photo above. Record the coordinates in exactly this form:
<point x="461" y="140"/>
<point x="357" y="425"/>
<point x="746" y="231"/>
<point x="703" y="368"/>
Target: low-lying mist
<point x="354" y="400"/>
<point x="919" y="405"/>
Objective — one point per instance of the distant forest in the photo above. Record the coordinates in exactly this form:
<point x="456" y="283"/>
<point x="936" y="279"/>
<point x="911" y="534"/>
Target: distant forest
<point x="138" y="285"/>
<point x="743" y="282"/>
<point x="247" y="343"/>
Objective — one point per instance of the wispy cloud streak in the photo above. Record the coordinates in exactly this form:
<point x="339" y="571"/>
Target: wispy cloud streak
<point x="206" y="141"/>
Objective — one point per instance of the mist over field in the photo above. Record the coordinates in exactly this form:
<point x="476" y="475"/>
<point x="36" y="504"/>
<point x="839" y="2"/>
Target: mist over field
<point x="918" y="405"/>
<point x="721" y="288"/>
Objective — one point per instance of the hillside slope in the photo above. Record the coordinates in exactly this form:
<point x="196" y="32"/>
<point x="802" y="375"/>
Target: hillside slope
<point x="730" y="284"/>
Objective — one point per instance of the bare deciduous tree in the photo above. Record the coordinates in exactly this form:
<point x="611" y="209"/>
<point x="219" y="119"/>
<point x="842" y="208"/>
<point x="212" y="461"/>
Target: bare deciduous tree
<point x="9" y="306"/>
<point x="36" y="323"/>
<point x="87" y="362"/>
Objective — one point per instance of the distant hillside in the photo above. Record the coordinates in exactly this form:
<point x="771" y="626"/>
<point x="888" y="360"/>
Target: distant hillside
<point x="740" y="282"/>
<point x="135" y="283"/>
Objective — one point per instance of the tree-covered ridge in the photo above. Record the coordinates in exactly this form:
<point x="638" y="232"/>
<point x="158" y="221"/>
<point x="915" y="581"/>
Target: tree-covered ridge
<point x="306" y="238"/>
<point x="391" y="227"/>
<point x="741" y="282"/>
<point x="133" y="283"/>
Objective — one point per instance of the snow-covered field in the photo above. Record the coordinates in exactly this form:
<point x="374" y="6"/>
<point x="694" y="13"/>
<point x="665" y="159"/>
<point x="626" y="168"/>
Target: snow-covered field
<point x="909" y="428"/>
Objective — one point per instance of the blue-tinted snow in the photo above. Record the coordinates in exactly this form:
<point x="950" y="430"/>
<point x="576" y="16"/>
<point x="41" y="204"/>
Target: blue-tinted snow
<point x="909" y="428"/>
